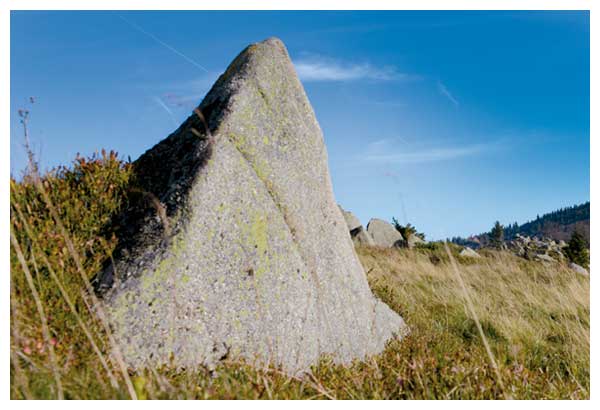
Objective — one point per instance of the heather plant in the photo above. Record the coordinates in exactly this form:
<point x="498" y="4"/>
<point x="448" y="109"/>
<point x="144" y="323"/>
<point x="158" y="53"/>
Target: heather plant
<point x="85" y="198"/>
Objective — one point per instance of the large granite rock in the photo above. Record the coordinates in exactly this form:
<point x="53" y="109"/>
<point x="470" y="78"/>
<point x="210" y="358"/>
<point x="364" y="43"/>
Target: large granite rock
<point x="384" y="234"/>
<point x="235" y="246"/>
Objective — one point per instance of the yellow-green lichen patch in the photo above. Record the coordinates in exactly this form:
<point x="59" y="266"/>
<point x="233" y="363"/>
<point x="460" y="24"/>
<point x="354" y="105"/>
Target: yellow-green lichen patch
<point x="262" y="169"/>
<point x="257" y="240"/>
<point x="154" y="281"/>
<point x="258" y="232"/>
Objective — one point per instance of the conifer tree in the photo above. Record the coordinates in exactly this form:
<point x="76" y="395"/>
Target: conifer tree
<point x="497" y="234"/>
<point x="577" y="250"/>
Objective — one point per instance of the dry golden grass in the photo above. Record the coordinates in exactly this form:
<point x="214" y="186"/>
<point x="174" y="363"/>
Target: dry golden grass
<point x="534" y="317"/>
<point x="524" y="300"/>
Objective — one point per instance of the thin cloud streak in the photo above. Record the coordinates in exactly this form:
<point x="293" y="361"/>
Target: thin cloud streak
<point x="446" y="93"/>
<point x="319" y="69"/>
<point x="383" y="145"/>
<point x="188" y="93"/>
<point x="432" y="155"/>
<point x="162" y="104"/>
<point x="162" y="43"/>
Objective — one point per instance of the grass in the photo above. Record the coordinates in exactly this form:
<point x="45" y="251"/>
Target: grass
<point x="534" y="317"/>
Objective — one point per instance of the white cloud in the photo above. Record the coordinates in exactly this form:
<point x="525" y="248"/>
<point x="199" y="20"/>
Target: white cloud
<point x="384" y="145"/>
<point x="322" y="69"/>
<point x="443" y="90"/>
<point x="379" y="152"/>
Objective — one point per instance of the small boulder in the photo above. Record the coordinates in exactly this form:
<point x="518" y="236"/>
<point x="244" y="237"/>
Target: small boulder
<point x="361" y="237"/>
<point x="545" y="258"/>
<point x="469" y="253"/>
<point x="351" y="220"/>
<point x="579" y="269"/>
<point x="414" y="240"/>
<point x="384" y="234"/>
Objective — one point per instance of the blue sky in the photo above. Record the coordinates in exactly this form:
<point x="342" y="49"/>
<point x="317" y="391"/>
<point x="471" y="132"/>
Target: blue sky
<point x="447" y="120"/>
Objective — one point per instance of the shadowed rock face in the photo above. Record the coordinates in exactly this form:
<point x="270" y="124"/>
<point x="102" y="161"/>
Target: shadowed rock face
<point x="359" y="235"/>
<point x="351" y="220"/>
<point x="252" y="257"/>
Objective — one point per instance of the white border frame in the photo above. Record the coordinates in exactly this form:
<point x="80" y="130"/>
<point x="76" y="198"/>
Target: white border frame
<point x="7" y="5"/>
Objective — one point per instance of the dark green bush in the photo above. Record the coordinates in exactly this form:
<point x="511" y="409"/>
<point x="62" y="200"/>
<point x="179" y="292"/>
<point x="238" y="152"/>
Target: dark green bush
<point x="577" y="251"/>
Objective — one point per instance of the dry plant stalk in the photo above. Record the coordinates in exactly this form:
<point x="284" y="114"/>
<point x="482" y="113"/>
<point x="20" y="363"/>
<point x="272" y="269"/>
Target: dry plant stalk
<point x="41" y="313"/>
<point x="67" y="299"/>
<point x="471" y="308"/>
<point x="14" y="333"/>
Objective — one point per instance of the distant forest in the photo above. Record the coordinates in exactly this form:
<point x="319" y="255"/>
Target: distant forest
<point x="557" y="225"/>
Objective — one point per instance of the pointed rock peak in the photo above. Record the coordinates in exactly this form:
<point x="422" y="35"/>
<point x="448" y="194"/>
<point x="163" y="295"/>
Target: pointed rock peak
<point x="267" y="48"/>
<point x="271" y="51"/>
<point x="237" y="247"/>
<point x="263" y="69"/>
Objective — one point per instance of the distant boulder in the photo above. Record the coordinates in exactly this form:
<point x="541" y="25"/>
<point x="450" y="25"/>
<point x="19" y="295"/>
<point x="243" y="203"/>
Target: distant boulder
<point x="579" y="269"/>
<point x="384" y="234"/>
<point x="545" y="258"/>
<point x="536" y="248"/>
<point x="414" y="240"/>
<point x="359" y="235"/>
<point x="351" y="220"/>
<point x="469" y="253"/>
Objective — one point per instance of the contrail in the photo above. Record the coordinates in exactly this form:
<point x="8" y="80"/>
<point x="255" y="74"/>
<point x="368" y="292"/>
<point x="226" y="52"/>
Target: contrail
<point x="160" y="102"/>
<point x="162" y="43"/>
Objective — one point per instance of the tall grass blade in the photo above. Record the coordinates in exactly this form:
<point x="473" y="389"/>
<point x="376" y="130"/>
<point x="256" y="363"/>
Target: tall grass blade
<point x="40" y="309"/>
<point x="471" y="308"/>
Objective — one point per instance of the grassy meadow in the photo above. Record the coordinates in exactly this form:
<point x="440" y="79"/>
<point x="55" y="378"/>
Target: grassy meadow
<point x="489" y="328"/>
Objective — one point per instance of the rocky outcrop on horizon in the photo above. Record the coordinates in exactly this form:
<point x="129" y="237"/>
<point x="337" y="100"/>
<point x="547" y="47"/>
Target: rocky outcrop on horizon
<point x="558" y="226"/>
<point x="543" y="249"/>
